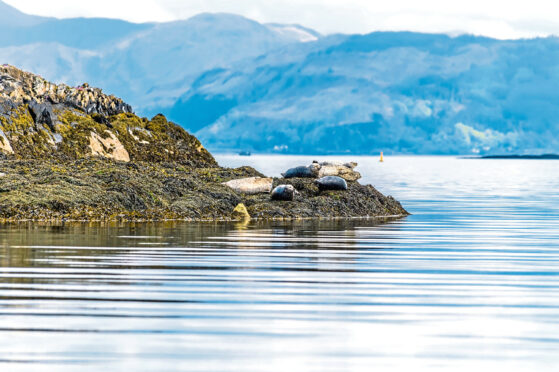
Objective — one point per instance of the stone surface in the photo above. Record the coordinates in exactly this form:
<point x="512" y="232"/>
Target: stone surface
<point x="5" y="146"/>
<point x="240" y="213"/>
<point x="108" y="147"/>
<point x="42" y="113"/>
<point x="24" y="87"/>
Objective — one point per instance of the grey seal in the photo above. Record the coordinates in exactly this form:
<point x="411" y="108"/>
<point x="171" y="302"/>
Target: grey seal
<point x="331" y="183"/>
<point x="284" y="192"/>
<point x="299" y="172"/>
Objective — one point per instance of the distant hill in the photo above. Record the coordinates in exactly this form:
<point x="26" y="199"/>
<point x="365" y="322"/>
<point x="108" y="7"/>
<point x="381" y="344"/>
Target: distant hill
<point x="81" y="33"/>
<point x="241" y="85"/>
<point x="396" y="92"/>
<point x="151" y="64"/>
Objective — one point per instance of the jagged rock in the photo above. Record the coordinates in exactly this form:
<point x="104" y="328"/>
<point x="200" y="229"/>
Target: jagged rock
<point x="108" y="147"/>
<point x="41" y="119"/>
<point x="5" y="146"/>
<point x="42" y="113"/>
<point x="240" y="213"/>
<point x="251" y="185"/>
<point x="22" y="87"/>
<point x="102" y="119"/>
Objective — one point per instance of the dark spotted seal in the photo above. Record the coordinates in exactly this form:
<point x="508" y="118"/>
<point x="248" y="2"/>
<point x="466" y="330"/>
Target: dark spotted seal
<point x="284" y="192"/>
<point x="303" y="172"/>
<point x="331" y="183"/>
<point x="299" y="172"/>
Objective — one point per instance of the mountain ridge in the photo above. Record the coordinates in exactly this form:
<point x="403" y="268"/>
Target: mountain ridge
<point x="9" y="15"/>
<point x="242" y="85"/>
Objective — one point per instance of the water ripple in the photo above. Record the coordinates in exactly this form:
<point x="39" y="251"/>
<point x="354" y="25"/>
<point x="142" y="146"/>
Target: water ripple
<point x="470" y="280"/>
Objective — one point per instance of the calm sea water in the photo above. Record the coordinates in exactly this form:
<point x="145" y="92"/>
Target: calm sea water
<point x="469" y="282"/>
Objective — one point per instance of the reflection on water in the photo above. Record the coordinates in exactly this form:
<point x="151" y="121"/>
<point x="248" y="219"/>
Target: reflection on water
<point x="470" y="280"/>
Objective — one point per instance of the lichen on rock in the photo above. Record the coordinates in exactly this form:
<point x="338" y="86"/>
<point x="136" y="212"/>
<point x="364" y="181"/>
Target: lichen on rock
<point x="240" y="213"/>
<point x="41" y="119"/>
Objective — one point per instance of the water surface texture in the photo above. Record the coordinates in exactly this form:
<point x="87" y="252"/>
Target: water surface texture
<point x="469" y="282"/>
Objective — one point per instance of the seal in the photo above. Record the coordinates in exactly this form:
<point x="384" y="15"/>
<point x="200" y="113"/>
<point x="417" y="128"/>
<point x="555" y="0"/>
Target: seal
<point x="284" y="192"/>
<point x="300" y="172"/>
<point x="345" y="170"/>
<point x="323" y="169"/>
<point x="251" y="185"/>
<point x="331" y="183"/>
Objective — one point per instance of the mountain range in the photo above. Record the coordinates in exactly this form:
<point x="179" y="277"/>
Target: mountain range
<point x="241" y="85"/>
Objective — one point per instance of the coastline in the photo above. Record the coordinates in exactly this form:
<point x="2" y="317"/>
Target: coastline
<point x="96" y="189"/>
<point x="5" y="221"/>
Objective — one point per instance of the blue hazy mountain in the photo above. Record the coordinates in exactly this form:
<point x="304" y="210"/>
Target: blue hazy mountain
<point x="18" y="29"/>
<point x="150" y="65"/>
<point x="398" y="91"/>
<point x="161" y="64"/>
<point x="75" y="33"/>
<point x="10" y="16"/>
<point x="239" y="84"/>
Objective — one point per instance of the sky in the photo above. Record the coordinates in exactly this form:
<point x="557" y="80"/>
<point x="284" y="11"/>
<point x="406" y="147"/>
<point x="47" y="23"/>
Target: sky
<point x="495" y="18"/>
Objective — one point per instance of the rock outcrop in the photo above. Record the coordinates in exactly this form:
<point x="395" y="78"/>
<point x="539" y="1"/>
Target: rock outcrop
<point x="78" y="154"/>
<point x="22" y="87"/>
<point x="39" y="119"/>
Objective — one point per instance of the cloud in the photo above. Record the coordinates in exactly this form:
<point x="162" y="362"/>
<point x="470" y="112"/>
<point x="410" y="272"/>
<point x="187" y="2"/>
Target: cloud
<point x="496" y="18"/>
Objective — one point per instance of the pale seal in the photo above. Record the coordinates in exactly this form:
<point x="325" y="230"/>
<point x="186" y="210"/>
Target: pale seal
<point x="251" y="185"/>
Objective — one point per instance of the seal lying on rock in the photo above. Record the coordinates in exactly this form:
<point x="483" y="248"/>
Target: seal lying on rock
<point x="319" y="170"/>
<point x="302" y="172"/>
<point x="344" y="170"/>
<point x="251" y="185"/>
<point x="284" y="192"/>
<point x="331" y="183"/>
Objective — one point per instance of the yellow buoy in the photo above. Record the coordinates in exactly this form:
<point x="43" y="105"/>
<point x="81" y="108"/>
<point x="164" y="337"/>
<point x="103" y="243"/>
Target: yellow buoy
<point x="381" y="157"/>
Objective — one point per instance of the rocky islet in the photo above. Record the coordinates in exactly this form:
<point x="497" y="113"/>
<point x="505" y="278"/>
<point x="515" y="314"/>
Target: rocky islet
<point x="76" y="153"/>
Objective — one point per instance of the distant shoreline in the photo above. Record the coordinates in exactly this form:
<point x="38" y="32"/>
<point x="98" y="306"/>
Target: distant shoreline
<point x="519" y="157"/>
